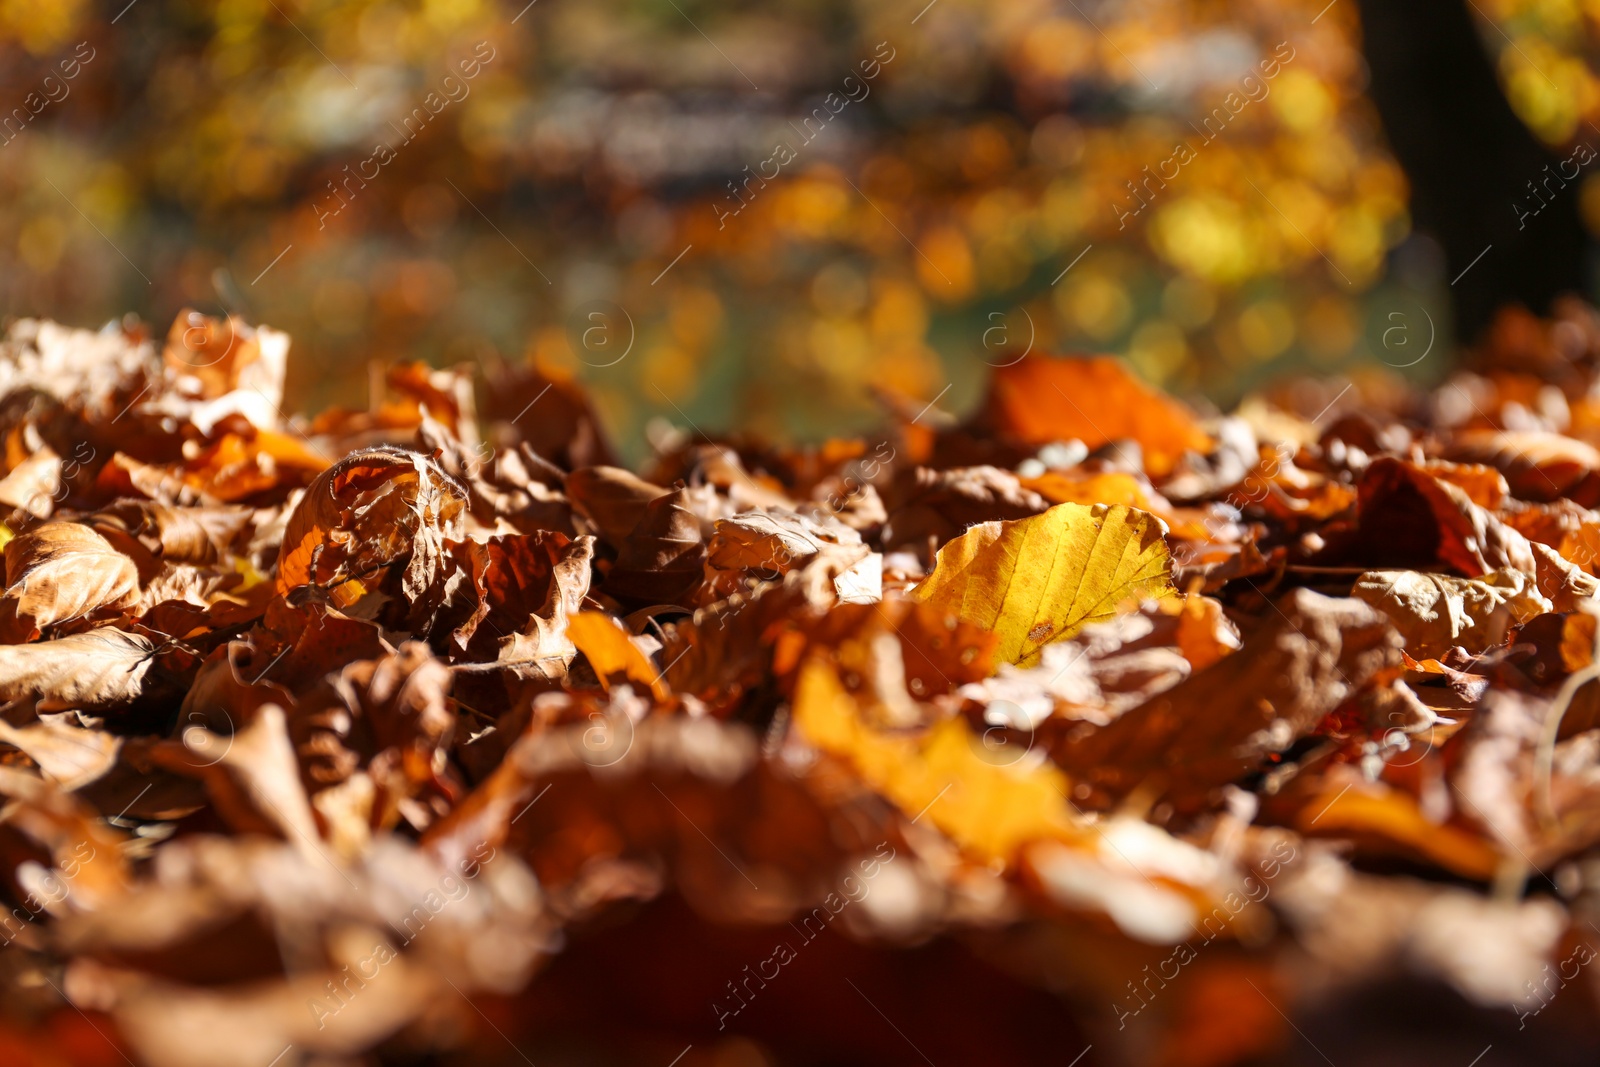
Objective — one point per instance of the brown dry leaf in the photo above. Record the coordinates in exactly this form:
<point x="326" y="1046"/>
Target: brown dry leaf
<point x="1436" y="612"/>
<point x="446" y="395"/>
<point x="521" y="589"/>
<point x="61" y="572"/>
<point x="33" y="484"/>
<point x="1537" y="465"/>
<point x="1408" y="518"/>
<point x="69" y="755"/>
<point x="178" y="535"/>
<point x="383" y="727"/>
<point x="932" y="507"/>
<point x="1037" y="580"/>
<point x="232" y="368"/>
<point x="763" y="546"/>
<point x="96" y="669"/>
<point x="376" y="508"/>
<point x="126" y="476"/>
<point x="662" y="559"/>
<point x="614" y="500"/>
<point x="254" y="780"/>
<point x="1301" y="660"/>
<point x="1096" y="400"/>
<point x="565" y="431"/>
<point x="1108" y="667"/>
<point x="1484" y="485"/>
<point x="1567" y="527"/>
<point x="517" y="489"/>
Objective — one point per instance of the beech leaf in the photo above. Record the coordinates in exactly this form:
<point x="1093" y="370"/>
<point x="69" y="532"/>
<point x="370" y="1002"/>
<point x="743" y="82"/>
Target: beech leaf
<point x="60" y="572"/>
<point x="1041" y="579"/>
<point x="104" y="666"/>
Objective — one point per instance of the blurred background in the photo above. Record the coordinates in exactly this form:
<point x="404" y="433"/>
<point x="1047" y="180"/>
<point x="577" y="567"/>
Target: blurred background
<point x="768" y="215"/>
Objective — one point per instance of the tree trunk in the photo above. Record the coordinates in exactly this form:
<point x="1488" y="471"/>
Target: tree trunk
<point x="1470" y="161"/>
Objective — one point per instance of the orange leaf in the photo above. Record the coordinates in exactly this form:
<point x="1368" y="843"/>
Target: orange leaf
<point x="1096" y="400"/>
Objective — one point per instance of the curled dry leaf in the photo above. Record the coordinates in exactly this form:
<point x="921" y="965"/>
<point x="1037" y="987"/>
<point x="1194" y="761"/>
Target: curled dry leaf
<point x="522" y="591"/>
<point x="1436" y="612"/>
<point x="374" y="509"/>
<point x="61" y="572"/>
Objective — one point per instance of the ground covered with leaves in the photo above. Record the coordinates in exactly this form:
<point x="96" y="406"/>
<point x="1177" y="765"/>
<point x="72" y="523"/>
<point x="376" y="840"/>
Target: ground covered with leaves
<point x="1091" y="725"/>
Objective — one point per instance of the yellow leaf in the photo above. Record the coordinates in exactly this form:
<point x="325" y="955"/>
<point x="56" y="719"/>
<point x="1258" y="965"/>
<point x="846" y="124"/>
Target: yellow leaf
<point x="609" y="651"/>
<point x="1040" y="579"/>
<point x="989" y="809"/>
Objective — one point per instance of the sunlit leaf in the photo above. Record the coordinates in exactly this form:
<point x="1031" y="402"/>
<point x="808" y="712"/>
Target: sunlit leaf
<point x="1037" y="580"/>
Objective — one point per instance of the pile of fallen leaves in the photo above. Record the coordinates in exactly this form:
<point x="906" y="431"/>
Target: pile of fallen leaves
<point x="325" y="736"/>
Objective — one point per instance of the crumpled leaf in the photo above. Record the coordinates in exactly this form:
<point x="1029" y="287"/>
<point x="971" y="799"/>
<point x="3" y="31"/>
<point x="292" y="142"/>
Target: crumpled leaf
<point x="375" y="508"/>
<point x="1435" y="612"/>
<point x="522" y="590"/>
<point x="387" y="720"/>
<point x="1037" y="580"/>
<point x="766" y="545"/>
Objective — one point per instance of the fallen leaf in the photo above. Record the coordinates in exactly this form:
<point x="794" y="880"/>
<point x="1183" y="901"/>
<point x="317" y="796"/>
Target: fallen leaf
<point x="376" y="508"/>
<point x="1037" y="580"/>
<point x="1435" y="612"/>
<point x="89" y="670"/>
<point x="1096" y="400"/>
<point x="61" y="572"/>
<point x="610" y="651"/>
<point x="1307" y="655"/>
